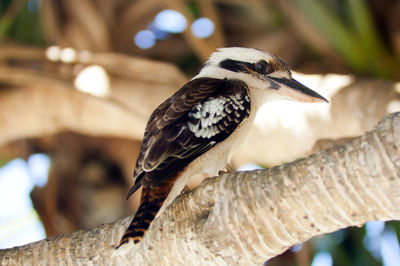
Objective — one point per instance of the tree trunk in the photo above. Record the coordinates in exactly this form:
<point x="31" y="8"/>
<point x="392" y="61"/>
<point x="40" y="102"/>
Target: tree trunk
<point x="249" y="217"/>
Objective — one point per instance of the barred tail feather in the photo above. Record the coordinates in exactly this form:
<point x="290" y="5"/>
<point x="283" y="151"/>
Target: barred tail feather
<point x="151" y="201"/>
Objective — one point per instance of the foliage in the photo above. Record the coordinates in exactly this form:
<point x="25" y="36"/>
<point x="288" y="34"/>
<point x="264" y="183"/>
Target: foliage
<point x="348" y="26"/>
<point x="22" y="23"/>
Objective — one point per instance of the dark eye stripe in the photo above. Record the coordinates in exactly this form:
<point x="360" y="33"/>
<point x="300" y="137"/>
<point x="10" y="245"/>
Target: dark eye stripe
<point x="236" y="66"/>
<point x="261" y="67"/>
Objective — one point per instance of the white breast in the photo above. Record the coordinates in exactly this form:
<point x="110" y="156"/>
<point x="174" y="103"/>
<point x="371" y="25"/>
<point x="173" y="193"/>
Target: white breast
<point x="212" y="161"/>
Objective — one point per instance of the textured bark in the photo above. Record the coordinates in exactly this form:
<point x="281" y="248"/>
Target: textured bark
<point x="249" y="217"/>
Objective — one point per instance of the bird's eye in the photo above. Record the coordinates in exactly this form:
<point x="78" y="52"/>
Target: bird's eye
<point x="262" y="67"/>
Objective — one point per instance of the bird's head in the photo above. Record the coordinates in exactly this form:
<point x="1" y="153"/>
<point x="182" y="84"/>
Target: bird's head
<point x="259" y="70"/>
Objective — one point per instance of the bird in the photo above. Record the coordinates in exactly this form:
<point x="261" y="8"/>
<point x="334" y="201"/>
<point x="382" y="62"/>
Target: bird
<point x="197" y="129"/>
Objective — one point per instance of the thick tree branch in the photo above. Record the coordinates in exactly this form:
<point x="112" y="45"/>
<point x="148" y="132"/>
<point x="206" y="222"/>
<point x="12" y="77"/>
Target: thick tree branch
<point x="249" y="217"/>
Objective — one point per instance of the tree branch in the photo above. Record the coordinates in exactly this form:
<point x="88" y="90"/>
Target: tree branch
<point x="36" y="103"/>
<point x="249" y="217"/>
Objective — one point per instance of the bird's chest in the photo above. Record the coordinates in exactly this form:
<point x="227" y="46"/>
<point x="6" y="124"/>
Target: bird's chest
<point x="211" y="162"/>
<point x="217" y="157"/>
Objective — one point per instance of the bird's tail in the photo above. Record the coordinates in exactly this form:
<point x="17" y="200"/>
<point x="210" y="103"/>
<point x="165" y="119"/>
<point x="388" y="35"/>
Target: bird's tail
<point x="150" y="203"/>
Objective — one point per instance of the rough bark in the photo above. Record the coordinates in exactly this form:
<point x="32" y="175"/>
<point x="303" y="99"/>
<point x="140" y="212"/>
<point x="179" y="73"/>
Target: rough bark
<point x="249" y="217"/>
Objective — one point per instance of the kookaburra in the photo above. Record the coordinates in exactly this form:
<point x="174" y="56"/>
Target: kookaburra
<point x="195" y="131"/>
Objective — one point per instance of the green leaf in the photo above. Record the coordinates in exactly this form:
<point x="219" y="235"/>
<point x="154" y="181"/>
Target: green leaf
<point x="349" y="28"/>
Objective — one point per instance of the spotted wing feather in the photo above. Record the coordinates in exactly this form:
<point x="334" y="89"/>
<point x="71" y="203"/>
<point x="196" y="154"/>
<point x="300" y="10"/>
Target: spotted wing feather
<point x="202" y="113"/>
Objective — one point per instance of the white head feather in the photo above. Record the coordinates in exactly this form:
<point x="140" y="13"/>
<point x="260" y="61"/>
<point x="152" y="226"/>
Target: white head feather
<point x="212" y="68"/>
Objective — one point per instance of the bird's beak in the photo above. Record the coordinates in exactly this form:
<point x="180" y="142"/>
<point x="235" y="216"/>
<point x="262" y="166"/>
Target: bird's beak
<point x="296" y="91"/>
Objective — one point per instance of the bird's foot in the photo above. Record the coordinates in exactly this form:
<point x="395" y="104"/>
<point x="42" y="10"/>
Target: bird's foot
<point x="185" y="189"/>
<point x="228" y="169"/>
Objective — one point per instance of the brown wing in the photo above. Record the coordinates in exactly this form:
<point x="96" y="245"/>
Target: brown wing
<point x="202" y="113"/>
